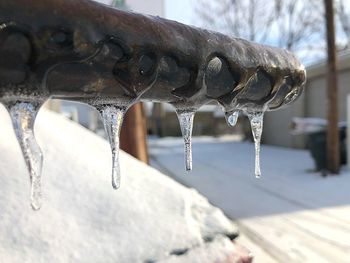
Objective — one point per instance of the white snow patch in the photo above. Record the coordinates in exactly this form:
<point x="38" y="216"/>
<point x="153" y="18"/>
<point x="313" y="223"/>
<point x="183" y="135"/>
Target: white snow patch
<point x="82" y="218"/>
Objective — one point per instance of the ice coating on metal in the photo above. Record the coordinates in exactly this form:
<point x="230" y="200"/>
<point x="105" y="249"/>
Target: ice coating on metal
<point x="168" y="64"/>
<point x="186" y="124"/>
<point x="23" y="117"/>
<point x="108" y="62"/>
<point x="112" y="118"/>
<point x="256" y="119"/>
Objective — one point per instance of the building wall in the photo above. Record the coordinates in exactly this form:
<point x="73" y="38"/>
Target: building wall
<point x="313" y="103"/>
<point x="276" y="125"/>
<point x="317" y="95"/>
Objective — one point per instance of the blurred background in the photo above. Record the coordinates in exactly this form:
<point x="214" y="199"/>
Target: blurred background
<point x="299" y="211"/>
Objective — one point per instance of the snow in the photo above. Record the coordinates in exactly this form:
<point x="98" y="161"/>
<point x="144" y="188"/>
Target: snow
<point x="294" y="214"/>
<point x="83" y="219"/>
<point x="310" y="125"/>
<point x="214" y="251"/>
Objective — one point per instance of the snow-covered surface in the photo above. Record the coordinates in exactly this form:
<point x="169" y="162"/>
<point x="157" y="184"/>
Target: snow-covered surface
<point x="84" y="220"/>
<point x="310" y="125"/>
<point x="294" y="214"/>
<point x="214" y="251"/>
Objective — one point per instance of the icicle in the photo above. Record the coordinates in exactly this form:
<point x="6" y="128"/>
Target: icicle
<point x="186" y="124"/>
<point x="23" y="117"/>
<point x="231" y="117"/>
<point x="112" y="117"/>
<point x="256" y="123"/>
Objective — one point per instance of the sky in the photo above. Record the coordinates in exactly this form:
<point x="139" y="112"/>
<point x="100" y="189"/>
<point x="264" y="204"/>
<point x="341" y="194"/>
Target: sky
<point x="180" y="10"/>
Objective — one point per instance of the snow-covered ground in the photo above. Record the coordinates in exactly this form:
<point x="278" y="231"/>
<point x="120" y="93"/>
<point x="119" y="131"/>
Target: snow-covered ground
<point x="151" y="218"/>
<point x="295" y="215"/>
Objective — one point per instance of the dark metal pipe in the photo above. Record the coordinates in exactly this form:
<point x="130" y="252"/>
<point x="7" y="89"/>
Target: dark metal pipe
<point x="82" y="50"/>
<point x="85" y="51"/>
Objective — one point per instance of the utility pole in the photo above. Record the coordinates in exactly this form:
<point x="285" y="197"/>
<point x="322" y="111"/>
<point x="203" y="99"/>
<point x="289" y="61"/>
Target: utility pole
<point x="333" y="158"/>
<point x="133" y="137"/>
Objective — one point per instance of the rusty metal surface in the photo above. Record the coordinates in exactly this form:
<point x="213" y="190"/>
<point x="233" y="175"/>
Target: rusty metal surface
<point x="85" y="51"/>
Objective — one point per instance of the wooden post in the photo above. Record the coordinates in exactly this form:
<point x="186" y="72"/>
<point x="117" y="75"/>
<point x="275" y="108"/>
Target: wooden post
<point x="157" y="114"/>
<point x="348" y="130"/>
<point x="134" y="133"/>
<point x="333" y="158"/>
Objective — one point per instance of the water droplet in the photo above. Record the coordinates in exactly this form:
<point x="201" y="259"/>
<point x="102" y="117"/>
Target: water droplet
<point x="256" y="122"/>
<point x="112" y="118"/>
<point x="186" y="124"/>
<point x="231" y="118"/>
<point x="23" y="116"/>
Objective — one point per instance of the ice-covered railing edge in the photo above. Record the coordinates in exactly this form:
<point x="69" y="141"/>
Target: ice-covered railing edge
<point x="84" y="51"/>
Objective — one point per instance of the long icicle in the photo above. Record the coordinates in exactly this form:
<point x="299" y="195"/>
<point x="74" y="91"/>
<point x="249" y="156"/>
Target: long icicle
<point x="23" y="116"/>
<point x="256" y="122"/>
<point x="186" y="124"/>
<point x="112" y="117"/>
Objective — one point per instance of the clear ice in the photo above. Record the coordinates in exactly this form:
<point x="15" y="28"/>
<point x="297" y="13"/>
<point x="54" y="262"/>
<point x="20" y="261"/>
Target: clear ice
<point x="186" y="124"/>
<point x="112" y="118"/>
<point x="231" y="118"/>
<point x="23" y="117"/>
<point x="256" y="122"/>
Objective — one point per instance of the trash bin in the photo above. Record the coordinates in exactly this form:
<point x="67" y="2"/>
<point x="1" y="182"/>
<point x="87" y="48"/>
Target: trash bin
<point x="316" y="131"/>
<point x="317" y="144"/>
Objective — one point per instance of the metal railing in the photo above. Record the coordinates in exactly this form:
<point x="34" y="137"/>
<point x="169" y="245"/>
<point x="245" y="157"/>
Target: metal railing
<point x="84" y="51"/>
